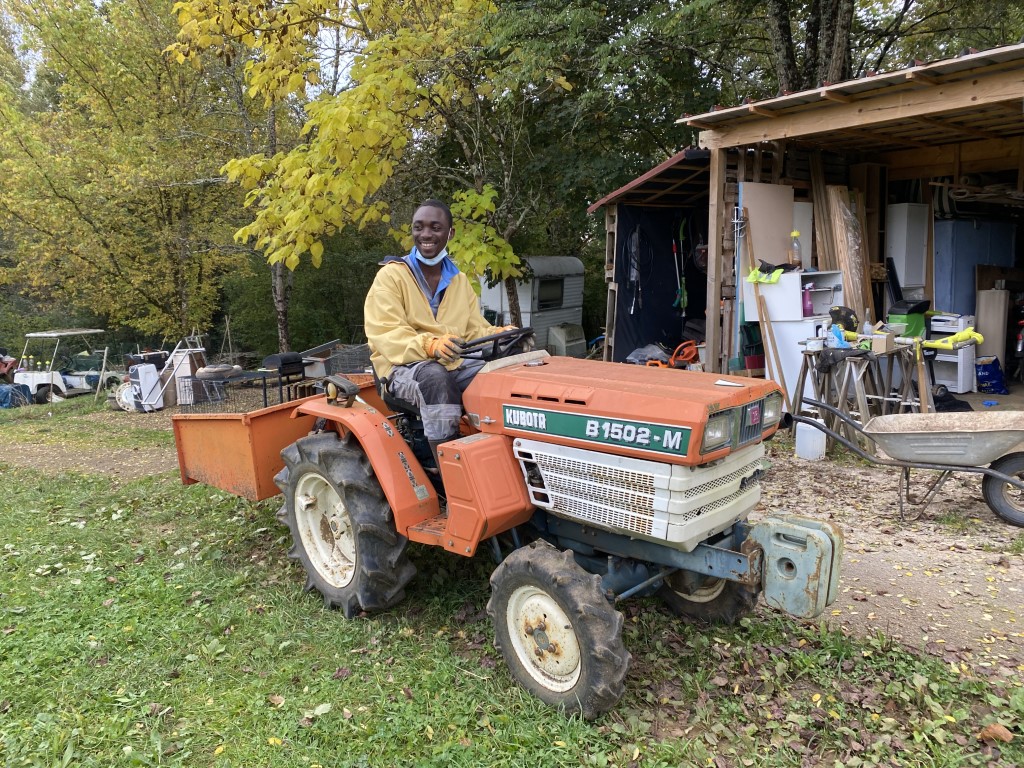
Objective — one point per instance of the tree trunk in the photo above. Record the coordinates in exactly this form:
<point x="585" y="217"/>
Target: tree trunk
<point x="281" y="289"/>
<point x="514" y="310"/>
<point x="281" y="278"/>
<point x="837" y="66"/>
<point x="812" y="39"/>
<point x="780" y="33"/>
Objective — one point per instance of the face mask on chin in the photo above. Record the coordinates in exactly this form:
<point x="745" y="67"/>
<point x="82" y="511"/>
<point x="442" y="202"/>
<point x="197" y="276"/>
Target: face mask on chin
<point x="430" y="262"/>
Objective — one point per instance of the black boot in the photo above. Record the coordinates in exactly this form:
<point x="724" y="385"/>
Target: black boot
<point x="433" y="448"/>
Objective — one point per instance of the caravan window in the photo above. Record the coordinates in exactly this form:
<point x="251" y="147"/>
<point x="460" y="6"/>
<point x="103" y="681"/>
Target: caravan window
<point x="549" y="293"/>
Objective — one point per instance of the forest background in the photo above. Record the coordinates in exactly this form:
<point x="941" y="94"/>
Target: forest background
<point x="166" y="166"/>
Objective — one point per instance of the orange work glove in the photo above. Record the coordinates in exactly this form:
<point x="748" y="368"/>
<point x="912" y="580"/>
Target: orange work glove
<point x="447" y="348"/>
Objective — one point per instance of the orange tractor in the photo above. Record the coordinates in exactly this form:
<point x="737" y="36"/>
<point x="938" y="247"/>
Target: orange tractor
<point x="590" y="482"/>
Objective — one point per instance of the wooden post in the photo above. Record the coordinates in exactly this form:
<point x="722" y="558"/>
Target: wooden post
<point x="103" y="372"/>
<point x="716" y="219"/>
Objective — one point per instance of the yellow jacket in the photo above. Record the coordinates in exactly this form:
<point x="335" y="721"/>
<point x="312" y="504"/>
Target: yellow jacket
<point x="399" y="321"/>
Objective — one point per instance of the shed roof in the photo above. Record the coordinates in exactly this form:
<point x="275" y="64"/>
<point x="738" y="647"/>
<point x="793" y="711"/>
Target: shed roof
<point x="678" y="182"/>
<point x="972" y="97"/>
<point x="554" y="266"/>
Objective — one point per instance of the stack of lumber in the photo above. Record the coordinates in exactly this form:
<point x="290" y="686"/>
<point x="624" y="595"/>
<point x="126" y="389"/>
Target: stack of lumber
<point x="849" y="239"/>
<point x="840" y="236"/>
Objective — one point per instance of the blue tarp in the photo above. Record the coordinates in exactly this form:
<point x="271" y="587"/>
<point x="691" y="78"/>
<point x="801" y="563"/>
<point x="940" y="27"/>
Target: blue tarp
<point x="13" y="395"/>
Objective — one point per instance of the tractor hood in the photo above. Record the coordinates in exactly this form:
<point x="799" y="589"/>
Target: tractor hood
<point x="657" y="413"/>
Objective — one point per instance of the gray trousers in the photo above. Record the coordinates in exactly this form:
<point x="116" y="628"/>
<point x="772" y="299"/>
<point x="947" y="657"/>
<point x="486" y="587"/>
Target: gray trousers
<point x="436" y="392"/>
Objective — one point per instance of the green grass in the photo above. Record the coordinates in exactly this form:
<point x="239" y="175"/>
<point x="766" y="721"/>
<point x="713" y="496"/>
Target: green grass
<point x="148" y="623"/>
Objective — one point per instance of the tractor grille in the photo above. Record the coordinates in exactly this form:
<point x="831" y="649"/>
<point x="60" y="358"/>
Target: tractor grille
<point x="610" y="497"/>
<point x="751" y="418"/>
<point x="645" y="498"/>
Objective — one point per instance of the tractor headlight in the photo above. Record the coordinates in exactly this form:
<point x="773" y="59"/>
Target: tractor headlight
<point x="717" y="432"/>
<point x="772" y="410"/>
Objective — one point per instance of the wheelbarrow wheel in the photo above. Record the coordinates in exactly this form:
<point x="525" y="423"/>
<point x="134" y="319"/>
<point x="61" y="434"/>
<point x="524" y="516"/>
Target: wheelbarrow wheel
<point x="1006" y="500"/>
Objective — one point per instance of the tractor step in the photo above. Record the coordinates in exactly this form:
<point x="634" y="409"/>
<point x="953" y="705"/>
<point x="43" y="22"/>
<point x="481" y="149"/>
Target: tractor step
<point x="430" y="530"/>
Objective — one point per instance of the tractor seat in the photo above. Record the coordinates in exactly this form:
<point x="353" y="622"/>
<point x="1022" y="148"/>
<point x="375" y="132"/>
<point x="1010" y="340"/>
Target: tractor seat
<point x="396" y="404"/>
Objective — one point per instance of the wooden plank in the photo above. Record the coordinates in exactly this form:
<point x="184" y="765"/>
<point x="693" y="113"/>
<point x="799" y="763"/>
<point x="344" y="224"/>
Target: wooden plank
<point x="823" y="239"/>
<point x="975" y="156"/>
<point x="716" y="222"/>
<point x="848" y="242"/>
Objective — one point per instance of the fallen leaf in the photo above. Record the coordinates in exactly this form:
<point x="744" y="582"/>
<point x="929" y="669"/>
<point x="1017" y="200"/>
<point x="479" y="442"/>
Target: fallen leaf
<point x="995" y="732"/>
<point x="276" y="700"/>
<point x="408" y="692"/>
<point x="347" y="714"/>
<point x="341" y="673"/>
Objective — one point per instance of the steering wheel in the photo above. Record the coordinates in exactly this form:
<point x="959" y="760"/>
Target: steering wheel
<point x="497" y="345"/>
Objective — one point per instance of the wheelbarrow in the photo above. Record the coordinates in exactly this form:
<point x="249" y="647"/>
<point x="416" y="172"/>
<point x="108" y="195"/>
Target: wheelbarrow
<point x="985" y="443"/>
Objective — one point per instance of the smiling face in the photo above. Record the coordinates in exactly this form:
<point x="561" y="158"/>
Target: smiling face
<point x="431" y="229"/>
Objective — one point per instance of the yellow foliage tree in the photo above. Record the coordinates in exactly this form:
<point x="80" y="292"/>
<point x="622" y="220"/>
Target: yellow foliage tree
<point x="112" y="199"/>
<point x="414" y="70"/>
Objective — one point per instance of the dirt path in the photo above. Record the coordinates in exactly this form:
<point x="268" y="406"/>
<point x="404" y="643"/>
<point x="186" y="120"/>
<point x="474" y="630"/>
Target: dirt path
<point x="946" y="583"/>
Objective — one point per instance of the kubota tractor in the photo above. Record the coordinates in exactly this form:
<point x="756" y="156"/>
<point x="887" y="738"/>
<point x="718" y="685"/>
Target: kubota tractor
<point x="590" y="482"/>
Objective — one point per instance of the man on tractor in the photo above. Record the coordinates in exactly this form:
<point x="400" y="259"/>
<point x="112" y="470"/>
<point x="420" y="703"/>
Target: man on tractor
<point x="419" y="314"/>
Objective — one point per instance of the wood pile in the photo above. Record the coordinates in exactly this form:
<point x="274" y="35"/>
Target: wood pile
<point x="840" y="236"/>
<point x="848" y="233"/>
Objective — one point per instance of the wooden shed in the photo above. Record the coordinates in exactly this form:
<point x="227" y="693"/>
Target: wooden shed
<point x="928" y="161"/>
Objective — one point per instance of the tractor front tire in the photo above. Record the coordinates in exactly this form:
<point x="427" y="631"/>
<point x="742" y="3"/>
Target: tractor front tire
<point x="706" y="600"/>
<point x="343" y="530"/>
<point x="1004" y="499"/>
<point x="559" y="634"/>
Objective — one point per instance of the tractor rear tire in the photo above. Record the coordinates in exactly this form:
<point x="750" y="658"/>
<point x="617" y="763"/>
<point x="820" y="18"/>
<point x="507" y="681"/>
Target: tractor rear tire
<point x="343" y="530"/>
<point x="559" y="634"/>
<point x="1006" y="500"/>
<point x="713" y="601"/>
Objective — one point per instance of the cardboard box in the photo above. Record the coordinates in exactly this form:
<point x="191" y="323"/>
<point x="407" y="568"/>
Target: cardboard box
<point x="883" y="342"/>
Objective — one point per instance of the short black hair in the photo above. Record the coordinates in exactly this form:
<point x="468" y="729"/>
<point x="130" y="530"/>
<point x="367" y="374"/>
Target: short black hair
<point x="434" y="203"/>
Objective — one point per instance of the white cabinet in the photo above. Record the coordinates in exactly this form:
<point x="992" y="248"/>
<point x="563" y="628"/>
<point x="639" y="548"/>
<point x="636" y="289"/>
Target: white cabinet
<point x="906" y="241"/>
<point x="784" y="302"/>
<point x="954" y="368"/>
<point x="784" y="299"/>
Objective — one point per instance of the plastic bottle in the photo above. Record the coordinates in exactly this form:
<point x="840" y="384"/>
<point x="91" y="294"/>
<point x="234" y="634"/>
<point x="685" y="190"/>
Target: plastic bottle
<point x="867" y="329"/>
<point x="794" y="247"/>
<point x="808" y="301"/>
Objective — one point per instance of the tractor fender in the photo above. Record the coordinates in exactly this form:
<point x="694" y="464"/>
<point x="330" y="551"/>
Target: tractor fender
<point x="409" y="491"/>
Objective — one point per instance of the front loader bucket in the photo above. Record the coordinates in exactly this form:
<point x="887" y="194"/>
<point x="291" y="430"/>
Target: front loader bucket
<point x="800" y="563"/>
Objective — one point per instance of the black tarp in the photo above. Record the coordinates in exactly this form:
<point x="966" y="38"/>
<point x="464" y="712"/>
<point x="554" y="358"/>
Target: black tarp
<point x="645" y="311"/>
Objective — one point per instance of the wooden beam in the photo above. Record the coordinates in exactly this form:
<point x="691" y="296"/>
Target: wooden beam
<point x="716" y="226"/>
<point x="921" y="77"/>
<point x="884" y="107"/>
<point x="874" y="137"/>
<point x="842" y="98"/>
<point x="974" y="133"/>
<point x="975" y="157"/>
<point x="699" y="124"/>
<point x="1020" y="166"/>
<point x="756" y="110"/>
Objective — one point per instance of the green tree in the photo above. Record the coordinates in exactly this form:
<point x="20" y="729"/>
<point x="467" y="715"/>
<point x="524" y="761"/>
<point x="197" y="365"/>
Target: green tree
<point x="113" y="199"/>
